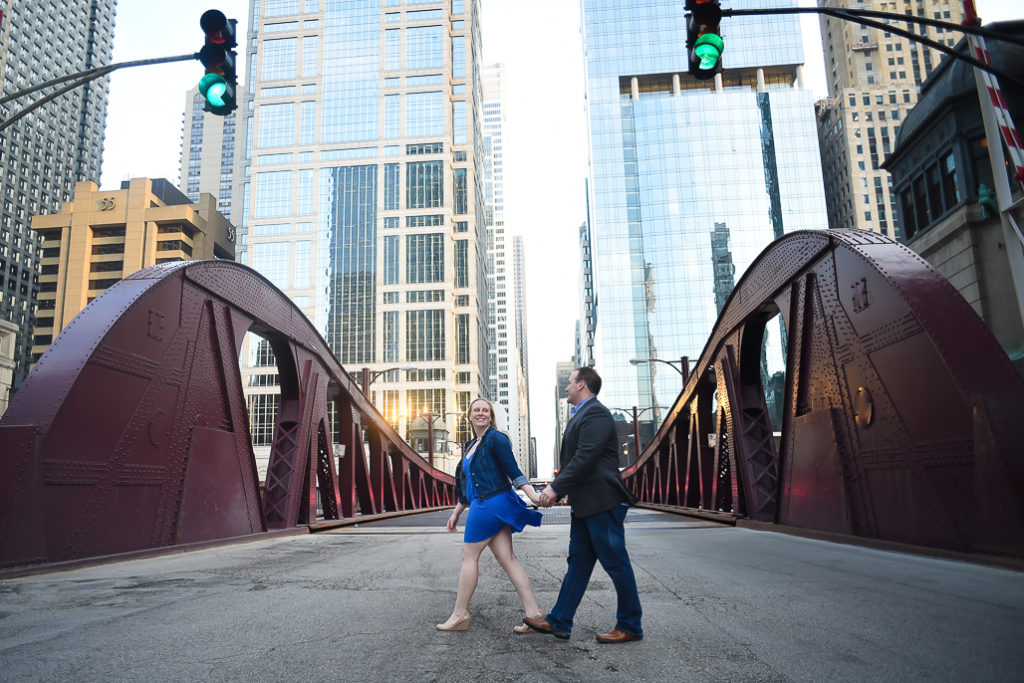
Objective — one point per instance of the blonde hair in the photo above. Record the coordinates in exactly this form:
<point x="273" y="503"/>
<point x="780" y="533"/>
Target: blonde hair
<point x="490" y="407"/>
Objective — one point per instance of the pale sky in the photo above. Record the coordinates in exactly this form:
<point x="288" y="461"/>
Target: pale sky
<point x="544" y="137"/>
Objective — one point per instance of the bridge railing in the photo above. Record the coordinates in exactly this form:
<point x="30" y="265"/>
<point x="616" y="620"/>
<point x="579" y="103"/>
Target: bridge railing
<point x="132" y="431"/>
<point x="902" y="417"/>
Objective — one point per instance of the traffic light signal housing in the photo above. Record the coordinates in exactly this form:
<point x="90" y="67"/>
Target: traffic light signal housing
<point x="704" y="44"/>
<point x="218" y="57"/>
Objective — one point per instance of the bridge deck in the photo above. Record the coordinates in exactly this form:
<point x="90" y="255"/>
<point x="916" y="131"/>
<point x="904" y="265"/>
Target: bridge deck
<point x="721" y="603"/>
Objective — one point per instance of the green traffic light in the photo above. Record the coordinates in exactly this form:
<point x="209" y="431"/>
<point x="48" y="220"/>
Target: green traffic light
<point x="708" y="48"/>
<point x="215" y="95"/>
<point x="213" y="87"/>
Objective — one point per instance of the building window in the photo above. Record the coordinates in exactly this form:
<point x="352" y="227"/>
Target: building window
<point x="459" y="134"/>
<point x="310" y="56"/>
<point x="461" y="263"/>
<point x="424" y="185"/>
<point x="390" y="337"/>
<point x="461" y="191"/>
<point x="280" y="59"/>
<point x="458" y="56"/>
<point x="424" y="114"/>
<point x="262" y="414"/>
<point x="424" y="47"/>
<point x="273" y="194"/>
<point x="462" y="338"/>
<point x="425" y="221"/>
<point x="392" y="49"/>
<point x="272" y="260"/>
<point x="950" y="186"/>
<point x="424" y="258"/>
<point x="424" y="335"/>
<point x="390" y="260"/>
<point x="391" y="190"/>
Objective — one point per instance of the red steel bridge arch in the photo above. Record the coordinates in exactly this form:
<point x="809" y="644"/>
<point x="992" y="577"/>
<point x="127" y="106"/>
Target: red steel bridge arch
<point x="132" y="430"/>
<point x="903" y="418"/>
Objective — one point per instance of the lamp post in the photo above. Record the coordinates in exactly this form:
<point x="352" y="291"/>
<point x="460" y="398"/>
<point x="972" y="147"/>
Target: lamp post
<point x="430" y="432"/>
<point x="682" y="366"/>
<point x="366" y="377"/>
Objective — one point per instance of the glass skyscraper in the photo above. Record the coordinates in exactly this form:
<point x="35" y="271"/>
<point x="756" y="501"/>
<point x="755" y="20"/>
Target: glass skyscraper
<point x="45" y="153"/>
<point x="356" y="193"/>
<point x="690" y="180"/>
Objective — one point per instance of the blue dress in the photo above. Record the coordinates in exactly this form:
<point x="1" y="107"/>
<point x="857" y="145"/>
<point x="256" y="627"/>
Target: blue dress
<point x="487" y="517"/>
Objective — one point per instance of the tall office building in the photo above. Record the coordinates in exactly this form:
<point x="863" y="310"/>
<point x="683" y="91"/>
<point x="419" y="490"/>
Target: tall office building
<point x="675" y="160"/>
<point x="357" y="192"/>
<point x="586" y="324"/>
<point x="563" y="370"/>
<point x="506" y="372"/>
<point x="45" y="153"/>
<point x="207" y="152"/>
<point x="873" y="81"/>
<point x="521" y="357"/>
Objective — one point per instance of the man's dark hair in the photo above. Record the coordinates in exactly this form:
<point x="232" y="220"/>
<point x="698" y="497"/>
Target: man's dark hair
<point x="589" y="376"/>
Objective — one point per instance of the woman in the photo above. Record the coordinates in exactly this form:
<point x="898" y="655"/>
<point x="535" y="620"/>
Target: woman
<point x="495" y="511"/>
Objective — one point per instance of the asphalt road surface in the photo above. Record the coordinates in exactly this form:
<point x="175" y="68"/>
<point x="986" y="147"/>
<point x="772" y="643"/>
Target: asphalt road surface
<point x="360" y="604"/>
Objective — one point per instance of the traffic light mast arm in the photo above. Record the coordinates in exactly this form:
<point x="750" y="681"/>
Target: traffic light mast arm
<point x="79" y="79"/>
<point x="860" y="17"/>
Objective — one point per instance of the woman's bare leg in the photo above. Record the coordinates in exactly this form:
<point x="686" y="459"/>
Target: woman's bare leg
<point x="469" y="572"/>
<point x="501" y="546"/>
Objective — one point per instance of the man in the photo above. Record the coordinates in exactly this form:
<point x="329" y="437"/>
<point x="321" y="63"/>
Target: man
<point x="589" y="475"/>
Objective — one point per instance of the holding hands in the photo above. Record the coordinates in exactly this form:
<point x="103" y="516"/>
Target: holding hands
<point x="548" y="497"/>
<point x="531" y="493"/>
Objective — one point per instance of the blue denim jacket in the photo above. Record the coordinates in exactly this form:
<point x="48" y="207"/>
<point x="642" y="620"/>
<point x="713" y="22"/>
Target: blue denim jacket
<point x="491" y="467"/>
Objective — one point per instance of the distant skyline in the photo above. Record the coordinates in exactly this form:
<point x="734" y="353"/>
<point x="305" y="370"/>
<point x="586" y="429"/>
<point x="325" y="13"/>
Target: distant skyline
<point x="545" y="140"/>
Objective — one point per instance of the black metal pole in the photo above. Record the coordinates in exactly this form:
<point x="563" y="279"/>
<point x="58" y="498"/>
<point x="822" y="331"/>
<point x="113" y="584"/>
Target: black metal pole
<point x="855" y="17"/>
<point x="82" y="77"/>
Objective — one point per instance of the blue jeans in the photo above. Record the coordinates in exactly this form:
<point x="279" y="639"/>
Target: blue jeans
<point x="601" y="537"/>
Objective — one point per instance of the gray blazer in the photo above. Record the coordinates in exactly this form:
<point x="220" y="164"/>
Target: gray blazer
<point x="589" y="463"/>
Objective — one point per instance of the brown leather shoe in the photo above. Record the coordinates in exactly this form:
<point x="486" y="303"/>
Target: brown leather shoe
<point x="541" y="625"/>
<point x="616" y="636"/>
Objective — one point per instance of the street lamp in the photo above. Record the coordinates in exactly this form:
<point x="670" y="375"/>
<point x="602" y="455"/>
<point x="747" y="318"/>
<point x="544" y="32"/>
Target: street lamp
<point x="367" y="378"/>
<point x="682" y="366"/>
<point x="430" y="431"/>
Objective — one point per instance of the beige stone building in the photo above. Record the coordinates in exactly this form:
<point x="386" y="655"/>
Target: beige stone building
<point x="873" y="79"/>
<point x="8" y="337"/>
<point x="103" y="235"/>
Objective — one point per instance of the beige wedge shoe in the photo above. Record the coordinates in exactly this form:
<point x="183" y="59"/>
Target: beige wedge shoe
<point x="460" y="624"/>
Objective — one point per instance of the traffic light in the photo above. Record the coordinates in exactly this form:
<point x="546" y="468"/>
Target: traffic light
<point x="704" y="44"/>
<point x="218" y="57"/>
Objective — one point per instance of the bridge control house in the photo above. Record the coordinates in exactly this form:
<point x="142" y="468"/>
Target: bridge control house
<point x="103" y="236"/>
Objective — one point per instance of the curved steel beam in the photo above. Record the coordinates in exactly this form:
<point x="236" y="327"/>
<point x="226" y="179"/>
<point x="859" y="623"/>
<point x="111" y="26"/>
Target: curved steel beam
<point x="132" y="431"/>
<point x="903" y="418"/>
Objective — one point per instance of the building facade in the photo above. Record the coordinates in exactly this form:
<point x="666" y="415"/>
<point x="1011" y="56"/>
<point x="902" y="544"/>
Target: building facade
<point x="45" y="153"/>
<point x="503" y="275"/>
<point x="680" y="167"/>
<point x="8" y="337"/>
<point x="207" y="153"/>
<point x="944" y="184"/>
<point x="562" y="372"/>
<point x="586" y="324"/>
<point x="100" y="237"/>
<point x="357" y="194"/>
<point x="521" y="356"/>
<point x="873" y="81"/>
